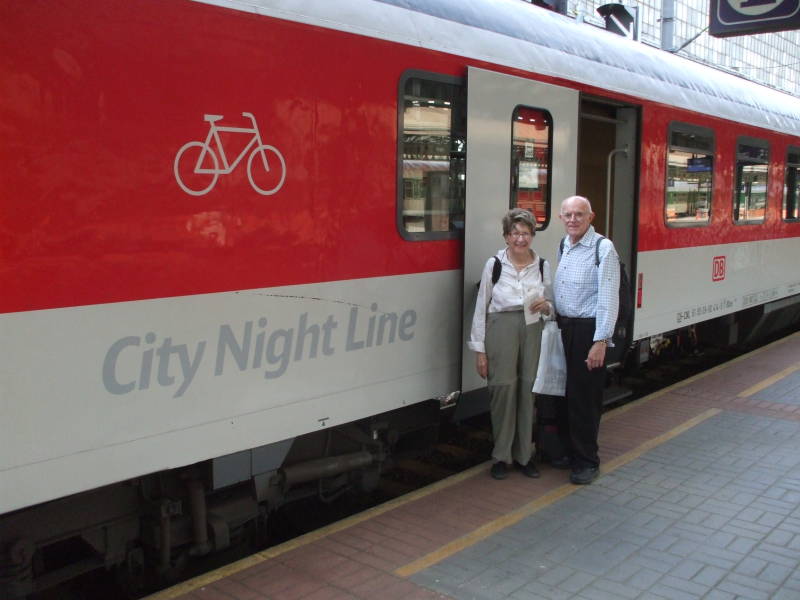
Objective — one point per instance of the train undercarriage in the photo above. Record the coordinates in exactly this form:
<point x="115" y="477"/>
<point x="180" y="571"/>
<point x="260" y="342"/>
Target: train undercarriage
<point x="149" y="530"/>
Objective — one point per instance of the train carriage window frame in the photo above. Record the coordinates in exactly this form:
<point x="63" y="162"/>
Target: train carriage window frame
<point x="752" y="166"/>
<point x="790" y="210"/>
<point x="690" y="175"/>
<point x="531" y="162"/>
<point x="431" y="156"/>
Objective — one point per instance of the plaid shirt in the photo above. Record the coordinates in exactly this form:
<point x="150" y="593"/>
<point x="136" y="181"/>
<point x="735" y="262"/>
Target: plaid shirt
<point x="584" y="290"/>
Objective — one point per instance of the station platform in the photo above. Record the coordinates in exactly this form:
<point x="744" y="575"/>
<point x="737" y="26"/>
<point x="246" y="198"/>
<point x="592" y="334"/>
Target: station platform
<point x="698" y="497"/>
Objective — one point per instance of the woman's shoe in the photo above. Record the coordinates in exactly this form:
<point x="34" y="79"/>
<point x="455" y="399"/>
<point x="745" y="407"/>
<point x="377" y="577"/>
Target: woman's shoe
<point x="499" y="470"/>
<point x="529" y="470"/>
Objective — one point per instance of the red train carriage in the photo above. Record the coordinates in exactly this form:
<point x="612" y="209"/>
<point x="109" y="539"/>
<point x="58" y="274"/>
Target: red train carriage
<point x="240" y="241"/>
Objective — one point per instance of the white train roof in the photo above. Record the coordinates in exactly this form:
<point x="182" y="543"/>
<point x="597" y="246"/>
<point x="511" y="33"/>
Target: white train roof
<point x="516" y="34"/>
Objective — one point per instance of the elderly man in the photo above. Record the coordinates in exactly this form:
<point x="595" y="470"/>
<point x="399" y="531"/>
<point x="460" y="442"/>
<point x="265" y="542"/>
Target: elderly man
<point x="586" y="298"/>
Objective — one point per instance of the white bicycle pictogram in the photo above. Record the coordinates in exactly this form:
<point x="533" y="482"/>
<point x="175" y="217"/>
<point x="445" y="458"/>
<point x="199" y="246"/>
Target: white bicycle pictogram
<point x="198" y="166"/>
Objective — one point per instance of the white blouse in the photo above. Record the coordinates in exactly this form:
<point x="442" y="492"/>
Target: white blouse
<point x="507" y="294"/>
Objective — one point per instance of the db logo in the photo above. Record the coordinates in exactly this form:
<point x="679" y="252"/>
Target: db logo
<point x="718" y="269"/>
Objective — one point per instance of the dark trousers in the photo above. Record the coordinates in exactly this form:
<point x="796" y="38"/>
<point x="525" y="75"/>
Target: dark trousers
<point x="580" y="414"/>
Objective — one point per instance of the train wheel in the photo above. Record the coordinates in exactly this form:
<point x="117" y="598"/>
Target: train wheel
<point x="131" y="576"/>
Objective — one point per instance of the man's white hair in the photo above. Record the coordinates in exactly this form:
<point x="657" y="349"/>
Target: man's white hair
<point x="582" y="199"/>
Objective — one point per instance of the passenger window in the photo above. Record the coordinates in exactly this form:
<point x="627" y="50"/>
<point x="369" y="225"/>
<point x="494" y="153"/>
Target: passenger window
<point x="690" y="175"/>
<point x="432" y="150"/>
<point x="530" y="162"/>
<point x="752" y="163"/>
<point x="791" y="186"/>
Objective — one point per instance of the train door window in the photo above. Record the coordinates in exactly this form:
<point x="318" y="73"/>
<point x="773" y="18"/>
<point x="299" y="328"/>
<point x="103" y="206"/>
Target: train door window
<point x="791" y="186"/>
<point x="752" y="164"/>
<point x="432" y="150"/>
<point x="690" y="175"/>
<point x="530" y="162"/>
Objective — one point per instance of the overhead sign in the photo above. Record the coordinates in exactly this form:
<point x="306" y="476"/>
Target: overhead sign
<point x="741" y="17"/>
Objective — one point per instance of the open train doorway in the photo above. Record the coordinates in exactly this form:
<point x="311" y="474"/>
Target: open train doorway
<point x="607" y="174"/>
<point x="608" y="169"/>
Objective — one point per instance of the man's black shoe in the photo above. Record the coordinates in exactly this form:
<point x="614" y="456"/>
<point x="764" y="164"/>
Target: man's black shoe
<point x="584" y="476"/>
<point x="562" y="462"/>
<point x="499" y="470"/>
<point x="528" y="470"/>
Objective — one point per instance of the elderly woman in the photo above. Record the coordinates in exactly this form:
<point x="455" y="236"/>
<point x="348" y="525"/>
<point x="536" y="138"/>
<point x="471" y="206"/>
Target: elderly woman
<point x="507" y="345"/>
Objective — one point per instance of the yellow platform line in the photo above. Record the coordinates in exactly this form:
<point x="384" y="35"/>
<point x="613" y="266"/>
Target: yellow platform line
<point x="768" y="381"/>
<point x="619" y="411"/>
<point x="493" y="527"/>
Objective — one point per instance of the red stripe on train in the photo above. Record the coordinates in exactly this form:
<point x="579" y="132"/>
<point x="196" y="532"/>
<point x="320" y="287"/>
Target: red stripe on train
<point x="99" y="99"/>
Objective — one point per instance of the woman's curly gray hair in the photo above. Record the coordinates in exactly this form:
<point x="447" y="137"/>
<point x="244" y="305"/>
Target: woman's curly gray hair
<point x="521" y="216"/>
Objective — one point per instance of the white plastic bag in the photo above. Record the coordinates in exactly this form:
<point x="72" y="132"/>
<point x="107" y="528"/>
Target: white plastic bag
<point x="551" y="376"/>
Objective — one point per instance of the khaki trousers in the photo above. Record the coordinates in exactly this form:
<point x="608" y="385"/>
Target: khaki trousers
<point x="512" y="349"/>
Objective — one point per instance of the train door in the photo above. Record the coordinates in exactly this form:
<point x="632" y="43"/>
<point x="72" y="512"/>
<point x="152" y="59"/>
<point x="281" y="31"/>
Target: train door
<point x="522" y="151"/>
<point x="608" y="154"/>
<point x="607" y="169"/>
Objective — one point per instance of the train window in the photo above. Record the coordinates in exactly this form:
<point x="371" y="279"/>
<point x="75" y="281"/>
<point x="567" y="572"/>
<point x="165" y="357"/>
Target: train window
<point x="432" y="150"/>
<point x="690" y="174"/>
<point x="530" y="161"/>
<point x="750" y="195"/>
<point x="791" y="187"/>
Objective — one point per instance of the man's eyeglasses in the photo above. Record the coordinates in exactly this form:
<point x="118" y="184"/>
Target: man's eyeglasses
<point x="578" y="216"/>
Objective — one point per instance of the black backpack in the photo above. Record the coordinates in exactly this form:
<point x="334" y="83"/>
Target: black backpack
<point x="625" y="297"/>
